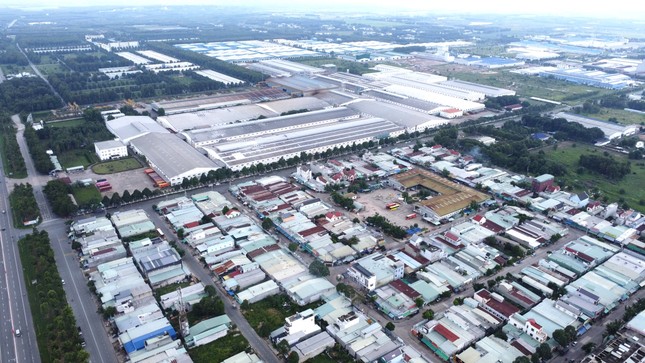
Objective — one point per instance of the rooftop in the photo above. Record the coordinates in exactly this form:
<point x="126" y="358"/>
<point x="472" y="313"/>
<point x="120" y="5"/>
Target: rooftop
<point x="171" y="155"/>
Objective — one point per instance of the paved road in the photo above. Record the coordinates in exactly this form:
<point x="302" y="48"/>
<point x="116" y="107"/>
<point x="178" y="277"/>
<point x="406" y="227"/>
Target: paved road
<point x="2" y="78"/>
<point x="37" y="181"/>
<point x="40" y="74"/>
<point x="14" y="306"/>
<point x="78" y="295"/>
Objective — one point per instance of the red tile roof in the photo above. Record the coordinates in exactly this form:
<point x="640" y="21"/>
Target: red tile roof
<point x="535" y="324"/>
<point x="445" y="332"/>
<point x="405" y="289"/>
<point x="310" y="231"/>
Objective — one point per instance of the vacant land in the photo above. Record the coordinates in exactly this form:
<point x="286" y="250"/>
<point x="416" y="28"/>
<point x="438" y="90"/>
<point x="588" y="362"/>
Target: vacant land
<point x="627" y="190"/>
<point x="86" y="195"/>
<point x="268" y="315"/>
<point x="219" y="350"/>
<point x="116" y="166"/>
<point x="525" y="86"/>
<point x="620" y="116"/>
<point x="67" y="123"/>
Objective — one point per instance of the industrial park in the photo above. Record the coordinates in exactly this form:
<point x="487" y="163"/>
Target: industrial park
<point x="213" y="184"/>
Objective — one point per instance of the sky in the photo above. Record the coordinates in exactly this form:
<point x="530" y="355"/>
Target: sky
<point x="596" y="8"/>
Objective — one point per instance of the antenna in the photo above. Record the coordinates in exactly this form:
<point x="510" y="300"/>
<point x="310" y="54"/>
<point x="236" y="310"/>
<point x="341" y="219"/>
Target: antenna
<point x="183" y="321"/>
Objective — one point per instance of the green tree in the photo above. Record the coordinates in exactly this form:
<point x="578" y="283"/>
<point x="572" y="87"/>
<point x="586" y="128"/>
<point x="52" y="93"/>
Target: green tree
<point x="458" y="301"/>
<point x="283" y="347"/>
<point x="588" y="348"/>
<point x="126" y="197"/>
<point x="293" y="247"/>
<point x="225" y="209"/>
<point x="116" y="199"/>
<point x="180" y="233"/>
<point x="267" y="223"/>
<point x="419" y="302"/>
<point x="137" y="195"/>
<point x="428" y="314"/>
<point x="522" y="359"/>
<point x="293" y="358"/>
<point x="147" y="193"/>
<point x="161" y="111"/>
<point x="109" y="312"/>
<point x="390" y="326"/>
<point x="561" y="337"/>
<point x="477" y="286"/>
<point x="319" y="269"/>
<point x="544" y="351"/>
<point x="613" y="327"/>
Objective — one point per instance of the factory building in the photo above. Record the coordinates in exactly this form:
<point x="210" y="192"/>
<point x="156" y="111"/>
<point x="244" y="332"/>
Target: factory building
<point x="173" y="159"/>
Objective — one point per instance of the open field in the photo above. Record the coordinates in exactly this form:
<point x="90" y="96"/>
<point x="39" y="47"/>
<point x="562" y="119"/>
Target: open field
<point x="219" y="349"/>
<point x="77" y="157"/>
<point x="67" y="123"/>
<point x="621" y="116"/>
<point x="631" y="185"/>
<point x="116" y="166"/>
<point x="525" y="86"/>
<point x="86" y="195"/>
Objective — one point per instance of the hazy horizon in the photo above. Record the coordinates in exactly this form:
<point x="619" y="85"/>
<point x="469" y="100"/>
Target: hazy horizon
<point x="593" y="8"/>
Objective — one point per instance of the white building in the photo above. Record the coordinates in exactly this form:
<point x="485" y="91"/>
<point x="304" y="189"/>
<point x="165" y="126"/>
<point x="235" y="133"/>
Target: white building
<point x="110" y="149"/>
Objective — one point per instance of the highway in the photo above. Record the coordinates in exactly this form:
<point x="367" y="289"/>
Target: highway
<point x="16" y="313"/>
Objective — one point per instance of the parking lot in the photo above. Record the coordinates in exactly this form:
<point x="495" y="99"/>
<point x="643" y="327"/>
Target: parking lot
<point x="126" y="180"/>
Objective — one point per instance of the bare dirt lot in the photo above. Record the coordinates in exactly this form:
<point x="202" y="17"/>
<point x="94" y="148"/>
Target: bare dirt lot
<point x="127" y="180"/>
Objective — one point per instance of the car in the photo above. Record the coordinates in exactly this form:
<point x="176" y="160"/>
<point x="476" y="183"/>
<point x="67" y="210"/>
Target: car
<point x="62" y="281"/>
<point x="4" y="211"/>
<point x="18" y="333"/>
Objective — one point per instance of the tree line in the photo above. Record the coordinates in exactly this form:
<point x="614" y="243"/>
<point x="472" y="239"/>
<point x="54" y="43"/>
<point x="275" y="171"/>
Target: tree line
<point x="500" y="102"/>
<point x="563" y="129"/>
<point x="41" y="160"/>
<point x="55" y="325"/>
<point x="387" y="227"/>
<point x="605" y="165"/>
<point x="23" y="203"/>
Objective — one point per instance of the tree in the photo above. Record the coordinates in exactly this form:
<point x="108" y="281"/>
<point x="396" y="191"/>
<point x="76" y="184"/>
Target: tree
<point x="318" y="268"/>
<point x="458" y="301"/>
<point x="544" y="351"/>
<point x="293" y="247"/>
<point x="283" y="347"/>
<point x="419" y="302"/>
<point x="109" y="312"/>
<point x="147" y="193"/>
<point x="126" y="197"/>
<point x="428" y="314"/>
<point x="588" y="348"/>
<point x="180" y="233"/>
<point x="571" y="332"/>
<point x="561" y="337"/>
<point x="522" y="359"/>
<point x="613" y="327"/>
<point x="390" y="326"/>
<point x="225" y="209"/>
<point x="161" y="111"/>
<point x="501" y="335"/>
<point x="477" y="286"/>
<point x="267" y="223"/>
<point x="137" y="195"/>
<point x="356" y="220"/>
<point x="293" y="358"/>
<point x="491" y="283"/>
<point x="116" y="199"/>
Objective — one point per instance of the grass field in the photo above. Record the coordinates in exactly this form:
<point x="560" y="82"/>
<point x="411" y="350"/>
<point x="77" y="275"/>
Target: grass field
<point x="77" y="157"/>
<point x="631" y="185"/>
<point x="68" y="123"/>
<point x="622" y="116"/>
<point x="116" y="166"/>
<point x="48" y="69"/>
<point x="41" y="115"/>
<point x="525" y="86"/>
<point x="220" y="349"/>
<point x="86" y="196"/>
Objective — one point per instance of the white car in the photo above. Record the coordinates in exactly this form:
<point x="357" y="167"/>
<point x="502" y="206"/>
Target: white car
<point x="62" y="281"/>
<point x="18" y="333"/>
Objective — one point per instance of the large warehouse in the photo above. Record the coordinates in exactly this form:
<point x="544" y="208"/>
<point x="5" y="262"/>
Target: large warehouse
<point x="411" y="120"/>
<point x="287" y="143"/>
<point x="128" y="128"/>
<point x="429" y="96"/>
<point x="172" y="158"/>
<point x="236" y="114"/>
<point x="251" y="129"/>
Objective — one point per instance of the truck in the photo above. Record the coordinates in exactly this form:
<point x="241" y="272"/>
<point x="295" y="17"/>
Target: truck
<point x="411" y="216"/>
